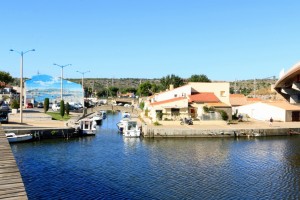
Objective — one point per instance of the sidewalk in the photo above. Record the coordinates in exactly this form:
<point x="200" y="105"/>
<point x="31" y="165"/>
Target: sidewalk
<point x="35" y="118"/>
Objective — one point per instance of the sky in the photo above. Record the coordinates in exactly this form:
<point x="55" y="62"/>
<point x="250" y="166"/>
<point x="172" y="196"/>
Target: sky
<point x="226" y="40"/>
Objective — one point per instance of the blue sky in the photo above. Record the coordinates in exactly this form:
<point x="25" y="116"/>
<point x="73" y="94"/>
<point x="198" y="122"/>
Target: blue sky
<point x="225" y="40"/>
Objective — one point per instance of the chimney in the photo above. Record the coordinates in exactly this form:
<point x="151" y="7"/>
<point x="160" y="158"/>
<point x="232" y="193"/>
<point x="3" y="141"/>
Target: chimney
<point x="171" y="87"/>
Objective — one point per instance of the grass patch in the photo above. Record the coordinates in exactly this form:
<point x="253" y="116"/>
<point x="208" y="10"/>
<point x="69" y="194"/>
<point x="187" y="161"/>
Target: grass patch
<point x="56" y="116"/>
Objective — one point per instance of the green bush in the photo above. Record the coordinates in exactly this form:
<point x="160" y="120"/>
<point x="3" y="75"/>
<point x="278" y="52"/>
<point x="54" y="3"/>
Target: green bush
<point x="142" y="105"/>
<point x="156" y="123"/>
<point x="67" y="108"/>
<point x="15" y="104"/>
<point x="224" y="115"/>
<point x="46" y="104"/>
<point x="146" y="112"/>
<point x="62" y="108"/>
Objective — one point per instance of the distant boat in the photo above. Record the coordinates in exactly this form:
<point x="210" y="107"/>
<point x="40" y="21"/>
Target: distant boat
<point x="125" y="117"/>
<point x="86" y="127"/>
<point x="97" y="118"/>
<point x="131" y="129"/>
<point x="103" y="113"/>
<point x="12" y="137"/>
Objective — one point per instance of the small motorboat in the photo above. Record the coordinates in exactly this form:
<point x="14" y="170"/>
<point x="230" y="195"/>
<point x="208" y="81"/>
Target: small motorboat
<point x="12" y="137"/>
<point x="86" y="127"/>
<point x="121" y="124"/>
<point x="125" y="118"/>
<point x="103" y="113"/>
<point x="131" y="129"/>
<point x="97" y="118"/>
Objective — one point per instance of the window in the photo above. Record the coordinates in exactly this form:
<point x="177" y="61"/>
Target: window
<point x="175" y="95"/>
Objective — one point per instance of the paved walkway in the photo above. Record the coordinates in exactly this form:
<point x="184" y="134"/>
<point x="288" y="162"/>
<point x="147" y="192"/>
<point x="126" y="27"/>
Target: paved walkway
<point x="37" y="118"/>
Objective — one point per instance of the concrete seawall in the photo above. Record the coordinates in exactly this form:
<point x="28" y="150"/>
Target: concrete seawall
<point x="151" y="131"/>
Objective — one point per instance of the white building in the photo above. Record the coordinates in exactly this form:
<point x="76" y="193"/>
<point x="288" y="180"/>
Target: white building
<point x="188" y="101"/>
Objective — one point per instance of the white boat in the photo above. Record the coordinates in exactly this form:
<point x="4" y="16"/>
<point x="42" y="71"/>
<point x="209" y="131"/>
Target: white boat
<point x="12" y="137"/>
<point x="97" y="118"/>
<point x="131" y="129"/>
<point x="121" y="124"/>
<point x="125" y="117"/>
<point x="86" y="126"/>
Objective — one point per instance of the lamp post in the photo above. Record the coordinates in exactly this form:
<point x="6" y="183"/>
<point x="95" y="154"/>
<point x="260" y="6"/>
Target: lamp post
<point x="82" y="87"/>
<point x="21" y="80"/>
<point x="62" y="77"/>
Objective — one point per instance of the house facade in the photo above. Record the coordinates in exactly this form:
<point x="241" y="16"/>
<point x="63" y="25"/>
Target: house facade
<point x="188" y="101"/>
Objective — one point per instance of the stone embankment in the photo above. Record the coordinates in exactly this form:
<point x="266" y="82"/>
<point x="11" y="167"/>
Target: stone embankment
<point x="220" y="129"/>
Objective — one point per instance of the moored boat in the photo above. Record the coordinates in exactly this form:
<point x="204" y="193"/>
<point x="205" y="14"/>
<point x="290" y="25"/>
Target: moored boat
<point x="12" y="137"/>
<point x="103" y="113"/>
<point x="86" y="127"/>
<point x="131" y="129"/>
<point x="125" y="117"/>
<point x="97" y="118"/>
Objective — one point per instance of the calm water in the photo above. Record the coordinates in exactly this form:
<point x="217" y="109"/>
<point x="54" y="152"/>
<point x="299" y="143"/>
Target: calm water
<point x="109" y="166"/>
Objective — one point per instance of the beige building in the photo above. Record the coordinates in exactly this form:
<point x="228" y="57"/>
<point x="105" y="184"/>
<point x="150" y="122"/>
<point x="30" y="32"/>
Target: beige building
<point x="189" y="100"/>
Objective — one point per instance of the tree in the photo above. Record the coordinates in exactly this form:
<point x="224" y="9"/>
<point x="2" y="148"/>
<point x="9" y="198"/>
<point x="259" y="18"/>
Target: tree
<point x="46" y="105"/>
<point x="5" y="78"/>
<point x="199" y="78"/>
<point x="172" y="79"/>
<point x="144" y="89"/>
<point x="67" y="109"/>
<point x="113" y="90"/>
<point x="62" y="108"/>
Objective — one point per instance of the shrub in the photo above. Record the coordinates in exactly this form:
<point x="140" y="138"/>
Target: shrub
<point x="224" y="115"/>
<point x="205" y="109"/>
<point x="15" y="104"/>
<point x="46" y="105"/>
<point x="67" y="108"/>
<point x="156" y="123"/>
<point x="62" y="108"/>
<point x="142" y="105"/>
<point x="146" y="112"/>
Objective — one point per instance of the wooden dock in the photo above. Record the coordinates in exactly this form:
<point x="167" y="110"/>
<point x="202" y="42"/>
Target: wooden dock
<point x="11" y="183"/>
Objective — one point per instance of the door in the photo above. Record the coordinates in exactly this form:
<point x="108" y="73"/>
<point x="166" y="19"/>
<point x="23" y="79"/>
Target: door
<point x="295" y="116"/>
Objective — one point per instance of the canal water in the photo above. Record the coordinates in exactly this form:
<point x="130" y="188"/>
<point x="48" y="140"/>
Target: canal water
<point x="108" y="166"/>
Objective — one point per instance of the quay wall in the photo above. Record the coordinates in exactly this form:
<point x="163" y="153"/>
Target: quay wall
<point x="40" y="133"/>
<point x="156" y="131"/>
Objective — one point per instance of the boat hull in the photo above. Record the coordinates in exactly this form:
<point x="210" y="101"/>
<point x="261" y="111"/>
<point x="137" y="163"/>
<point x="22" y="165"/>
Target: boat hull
<point x="12" y="138"/>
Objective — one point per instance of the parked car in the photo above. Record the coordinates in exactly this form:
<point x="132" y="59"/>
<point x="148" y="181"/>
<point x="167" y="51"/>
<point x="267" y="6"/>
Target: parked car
<point x="29" y="105"/>
<point x="40" y="105"/>
<point x="56" y="107"/>
<point x="4" y="107"/>
<point x="3" y="117"/>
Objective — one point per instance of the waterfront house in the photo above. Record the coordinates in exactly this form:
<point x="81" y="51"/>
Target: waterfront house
<point x="188" y="101"/>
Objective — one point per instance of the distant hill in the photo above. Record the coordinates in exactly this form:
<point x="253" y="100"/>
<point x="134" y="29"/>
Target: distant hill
<point x="260" y="86"/>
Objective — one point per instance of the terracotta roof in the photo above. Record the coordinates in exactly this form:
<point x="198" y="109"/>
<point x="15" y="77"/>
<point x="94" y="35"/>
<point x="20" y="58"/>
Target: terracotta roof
<point x="167" y="101"/>
<point x="205" y="97"/>
<point x="219" y="104"/>
<point x="284" y="105"/>
<point x="253" y="99"/>
<point x="237" y="99"/>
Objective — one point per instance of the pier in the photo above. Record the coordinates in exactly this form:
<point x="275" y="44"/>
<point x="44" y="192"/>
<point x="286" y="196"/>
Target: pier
<point x="11" y="183"/>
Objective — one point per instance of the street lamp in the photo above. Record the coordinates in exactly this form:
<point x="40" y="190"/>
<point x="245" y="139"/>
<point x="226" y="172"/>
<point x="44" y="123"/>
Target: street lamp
<point x="21" y="80"/>
<point x="82" y="87"/>
<point x="62" y="76"/>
